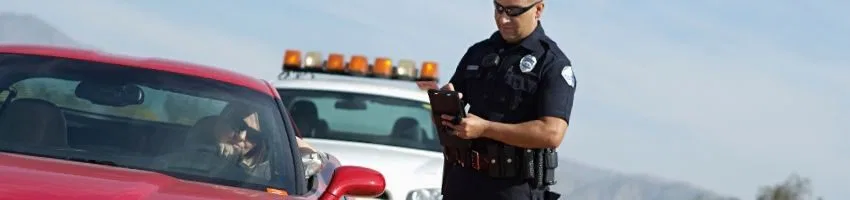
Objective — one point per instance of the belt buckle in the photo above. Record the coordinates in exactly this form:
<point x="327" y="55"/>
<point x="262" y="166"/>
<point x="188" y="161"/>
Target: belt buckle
<point x="475" y="160"/>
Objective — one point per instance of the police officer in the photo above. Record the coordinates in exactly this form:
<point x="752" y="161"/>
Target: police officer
<point x="519" y="87"/>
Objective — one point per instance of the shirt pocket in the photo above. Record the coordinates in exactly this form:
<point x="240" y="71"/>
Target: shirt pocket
<point x="523" y="89"/>
<point x="476" y="86"/>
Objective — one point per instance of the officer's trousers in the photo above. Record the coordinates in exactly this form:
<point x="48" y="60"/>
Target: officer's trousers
<point x="468" y="184"/>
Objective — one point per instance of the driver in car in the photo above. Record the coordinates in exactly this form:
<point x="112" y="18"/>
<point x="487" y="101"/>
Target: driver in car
<point x="237" y="134"/>
<point x="233" y="139"/>
<point x="240" y="140"/>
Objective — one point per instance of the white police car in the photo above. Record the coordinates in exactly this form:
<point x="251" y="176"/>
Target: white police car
<point x="367" y="122"/>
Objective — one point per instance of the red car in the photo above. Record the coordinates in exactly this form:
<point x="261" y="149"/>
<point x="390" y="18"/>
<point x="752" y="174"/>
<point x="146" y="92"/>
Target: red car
<point x="78" y="124"/>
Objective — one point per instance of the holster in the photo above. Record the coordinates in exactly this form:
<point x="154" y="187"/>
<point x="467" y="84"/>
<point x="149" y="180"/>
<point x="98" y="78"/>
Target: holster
<point x="544" y="163"/>
<point x="550" y="159"/>
<point x="538" y="168"/>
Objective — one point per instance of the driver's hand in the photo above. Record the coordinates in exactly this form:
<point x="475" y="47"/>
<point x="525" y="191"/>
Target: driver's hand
<point x="312" y="163"/>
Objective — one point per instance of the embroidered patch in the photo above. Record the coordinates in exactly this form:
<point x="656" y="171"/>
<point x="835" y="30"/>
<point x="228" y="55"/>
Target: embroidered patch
<point x="567" y="73"/>
<point x="526" y="64"/>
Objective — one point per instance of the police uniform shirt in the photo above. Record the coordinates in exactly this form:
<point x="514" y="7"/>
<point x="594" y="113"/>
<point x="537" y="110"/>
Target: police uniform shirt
<point x="510" y="83"/>
<point x="516" y="83"/>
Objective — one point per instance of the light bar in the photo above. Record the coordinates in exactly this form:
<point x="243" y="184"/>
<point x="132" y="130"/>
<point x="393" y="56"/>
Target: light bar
<point x="313" y="60"/>
<point x="336" y="63"/>
<point x="406" y="69"/>
<point x="429" y="71"/>
<point x="383" y="67"/>
<point x="292" y="59"/>
<point x="357" y="65"/>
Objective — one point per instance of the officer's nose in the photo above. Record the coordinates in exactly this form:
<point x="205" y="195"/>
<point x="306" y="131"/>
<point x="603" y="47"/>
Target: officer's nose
<point x="503" y="19"/>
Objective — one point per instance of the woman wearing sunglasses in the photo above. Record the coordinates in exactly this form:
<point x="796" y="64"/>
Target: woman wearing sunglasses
<point x="239" y="129"/>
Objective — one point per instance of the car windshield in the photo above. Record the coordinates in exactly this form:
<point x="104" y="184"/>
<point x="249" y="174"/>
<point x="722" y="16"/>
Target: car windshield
<point x="362" y="118"/>
<point x="187" y="127"/>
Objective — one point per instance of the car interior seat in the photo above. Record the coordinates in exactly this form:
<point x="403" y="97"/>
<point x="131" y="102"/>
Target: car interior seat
<point x="202" y="130"/>
<point x="407" y="128"/>
<point x="306" y="117"/>
<point x="33" y="121"/>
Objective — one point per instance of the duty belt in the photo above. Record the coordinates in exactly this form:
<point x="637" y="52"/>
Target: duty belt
<point x="467" y="158"/>
<point x="484" y="163"/>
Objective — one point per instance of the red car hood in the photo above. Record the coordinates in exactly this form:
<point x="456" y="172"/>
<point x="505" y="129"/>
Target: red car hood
<point x="27" y="177"/>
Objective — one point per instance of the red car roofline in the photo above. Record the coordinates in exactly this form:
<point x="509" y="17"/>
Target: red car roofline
<point x="184" y="68"/>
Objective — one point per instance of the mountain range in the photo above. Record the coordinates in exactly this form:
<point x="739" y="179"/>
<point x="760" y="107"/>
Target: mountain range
<point x="575" y="180"/>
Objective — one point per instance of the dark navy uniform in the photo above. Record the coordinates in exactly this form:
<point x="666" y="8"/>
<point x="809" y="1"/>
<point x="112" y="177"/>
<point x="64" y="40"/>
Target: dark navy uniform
<point x="508" y="83"/>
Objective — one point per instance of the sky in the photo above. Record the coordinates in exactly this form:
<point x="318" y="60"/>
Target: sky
<point x="725" y="94"/>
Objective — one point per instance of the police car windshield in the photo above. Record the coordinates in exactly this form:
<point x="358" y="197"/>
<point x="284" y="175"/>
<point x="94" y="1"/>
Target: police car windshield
<point x="361" y="117"/>
<point x="142" y="119"/>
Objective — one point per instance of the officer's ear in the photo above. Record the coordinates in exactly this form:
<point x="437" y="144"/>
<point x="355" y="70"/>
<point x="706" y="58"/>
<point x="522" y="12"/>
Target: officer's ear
<point x="539" y="11"/>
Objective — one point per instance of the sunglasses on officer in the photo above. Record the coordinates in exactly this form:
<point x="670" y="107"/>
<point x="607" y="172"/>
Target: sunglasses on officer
<point x="514" y="11"/>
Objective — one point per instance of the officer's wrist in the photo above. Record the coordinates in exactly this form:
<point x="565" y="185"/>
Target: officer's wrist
<point x="487" y="131"/>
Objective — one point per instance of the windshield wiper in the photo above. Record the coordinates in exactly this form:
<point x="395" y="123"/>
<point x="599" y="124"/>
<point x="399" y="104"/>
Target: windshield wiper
<point x="94" y="161"/>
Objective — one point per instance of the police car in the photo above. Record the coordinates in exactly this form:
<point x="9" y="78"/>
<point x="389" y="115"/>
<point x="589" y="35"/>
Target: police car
<point x="341" y="107"/>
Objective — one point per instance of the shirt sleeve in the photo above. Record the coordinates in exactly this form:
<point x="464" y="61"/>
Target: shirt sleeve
<point x="558" y="87"/>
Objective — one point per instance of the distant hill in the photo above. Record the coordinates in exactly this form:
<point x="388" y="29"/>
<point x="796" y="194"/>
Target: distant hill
<point x="581" y="181"/>
<point x="576" y="180"/>
<point x="28" y="29"/>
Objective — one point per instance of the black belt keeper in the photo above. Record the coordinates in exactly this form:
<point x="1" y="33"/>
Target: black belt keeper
<point x="527" y="168"/>
<point x="509" y="164"/>
<point x="493" y="152"/>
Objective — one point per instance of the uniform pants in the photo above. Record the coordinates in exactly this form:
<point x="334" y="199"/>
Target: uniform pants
<point x="468" y="184"/>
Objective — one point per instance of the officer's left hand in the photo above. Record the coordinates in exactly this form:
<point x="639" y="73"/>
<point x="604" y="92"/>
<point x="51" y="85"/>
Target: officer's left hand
<point x="469" y="128"/>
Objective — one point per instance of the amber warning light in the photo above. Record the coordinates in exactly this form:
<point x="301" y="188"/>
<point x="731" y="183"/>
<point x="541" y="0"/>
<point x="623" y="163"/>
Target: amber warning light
<point x="357" y="65"/>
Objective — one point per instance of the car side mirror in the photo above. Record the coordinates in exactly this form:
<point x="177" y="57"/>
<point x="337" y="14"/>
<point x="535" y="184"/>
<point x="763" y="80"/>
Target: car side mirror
<point x="354" y="181"/>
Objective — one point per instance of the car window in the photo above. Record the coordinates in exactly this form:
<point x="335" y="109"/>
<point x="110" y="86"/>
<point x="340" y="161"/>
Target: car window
<point x="187" y="127"/>
<point x="168" y="107"/>
<point x="362" y="118"/>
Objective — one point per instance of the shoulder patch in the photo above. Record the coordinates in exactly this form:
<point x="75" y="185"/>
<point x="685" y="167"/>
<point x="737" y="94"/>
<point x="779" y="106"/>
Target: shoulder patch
<point x="567" y="73"/>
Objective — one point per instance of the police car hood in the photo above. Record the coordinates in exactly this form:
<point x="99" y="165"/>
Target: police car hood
<point x="398" y="165"/>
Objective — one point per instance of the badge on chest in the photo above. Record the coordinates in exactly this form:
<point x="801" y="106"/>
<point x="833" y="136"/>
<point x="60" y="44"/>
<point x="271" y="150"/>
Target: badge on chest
<point x="527" y="63"/>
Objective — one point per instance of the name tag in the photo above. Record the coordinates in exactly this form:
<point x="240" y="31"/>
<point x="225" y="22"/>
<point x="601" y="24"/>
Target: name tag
<point x="472" y="67"/>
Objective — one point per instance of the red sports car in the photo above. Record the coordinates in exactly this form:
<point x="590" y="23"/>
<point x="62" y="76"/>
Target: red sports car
<point x="78" y="124"/>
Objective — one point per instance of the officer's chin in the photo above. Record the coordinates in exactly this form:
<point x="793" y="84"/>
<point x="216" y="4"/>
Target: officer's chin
<point x="508" y="35"/>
